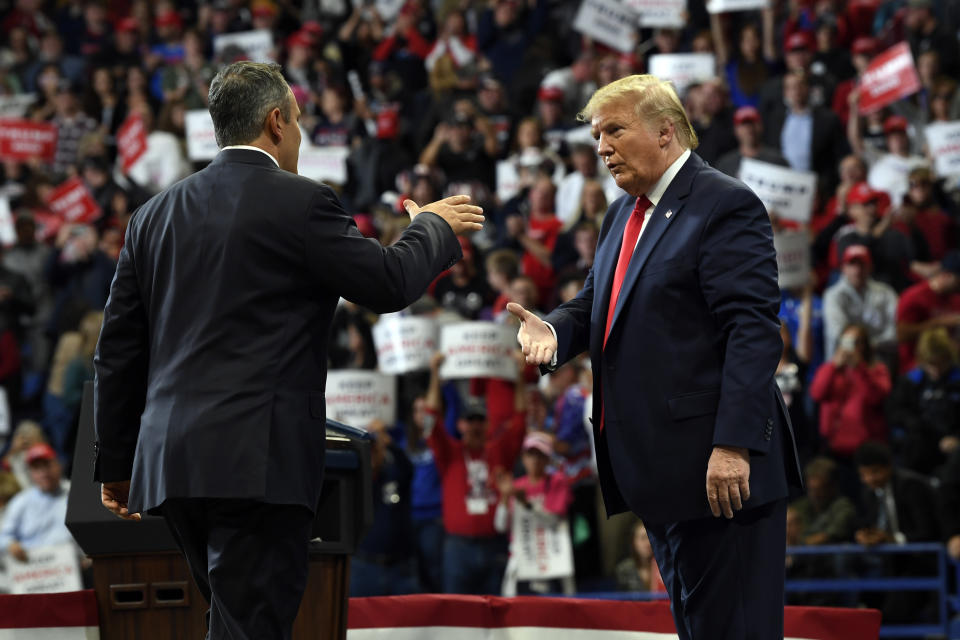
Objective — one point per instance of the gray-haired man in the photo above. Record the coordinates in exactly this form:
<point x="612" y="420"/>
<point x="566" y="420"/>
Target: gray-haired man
<point x="212" y="360"/>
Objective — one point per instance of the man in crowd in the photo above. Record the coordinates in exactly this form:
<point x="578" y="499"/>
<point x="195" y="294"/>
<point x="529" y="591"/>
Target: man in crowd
<point x="748" y="127"/>
<point x="216" y="333"/>
<point x="856" y="298"/>
<point x="932" y="303"/>
<point x="685" y="263"/>
<point x="35" y="516"/>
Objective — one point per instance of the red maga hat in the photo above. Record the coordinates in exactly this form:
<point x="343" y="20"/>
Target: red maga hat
<point x="857" y="252"/>
<point x="862" y="193"/>
<point x="894" y="124"/>
<point x="746" y="114"/>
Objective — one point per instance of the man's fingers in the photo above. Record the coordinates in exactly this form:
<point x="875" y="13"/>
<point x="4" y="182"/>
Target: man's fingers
<point x="410" y="206"/>
<point x="712" y="499"/>
<point x="735" y="501"/>
<point x="454" y="200"/>
<point x="723" y="497"/>
<point x="517" y="310"/>
<point x="745" y="489"/>
<point x="547" y="355"/>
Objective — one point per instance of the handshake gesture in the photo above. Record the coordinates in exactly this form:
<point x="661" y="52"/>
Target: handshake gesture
<point x="456" y="210"/>
<point x="535" y="337"/>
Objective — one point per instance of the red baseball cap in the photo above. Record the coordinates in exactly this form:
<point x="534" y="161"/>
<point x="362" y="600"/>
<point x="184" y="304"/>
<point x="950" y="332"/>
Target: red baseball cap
<point x="799" y="40"/>
<point x="263" y="9"/>
<point x="39" y="451"/>
<point x="895" y="124"/>
<point x="862" y="193"/>
<point x="127" y="25"/>
<point x="168" y="18"/>
<point x="300" y="39"/>
<point x="550" y="94"/>
<point x="746" y="114"/>
<point x="864" y="46"/>
<point x="857" y="252"/>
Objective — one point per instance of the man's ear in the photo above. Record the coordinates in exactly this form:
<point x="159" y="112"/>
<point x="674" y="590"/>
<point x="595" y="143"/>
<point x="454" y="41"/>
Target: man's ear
<point x="667" y="132"/>
<point x="275" y="124"/>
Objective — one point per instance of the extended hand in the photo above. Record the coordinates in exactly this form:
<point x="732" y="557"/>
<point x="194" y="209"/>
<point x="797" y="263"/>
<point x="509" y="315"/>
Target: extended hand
<point x="456" y="210"/>
<point x="114" y="496"/>
<point x="535" y="338"/>
<point x="728" y="480"/>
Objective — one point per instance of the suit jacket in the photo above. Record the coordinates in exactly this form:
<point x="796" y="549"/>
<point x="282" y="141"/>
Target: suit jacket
<point x="828" y="142"/>
<point x="212" y="361"/>
<point x="916" y="506"/>
<point x="692" y="351"/>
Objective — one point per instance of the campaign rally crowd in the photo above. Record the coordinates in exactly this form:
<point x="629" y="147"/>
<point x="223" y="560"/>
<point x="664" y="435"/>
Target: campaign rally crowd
<point x="425" y="98"/>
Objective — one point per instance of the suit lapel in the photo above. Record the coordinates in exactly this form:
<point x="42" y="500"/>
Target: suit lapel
<point x="671" y="203"/>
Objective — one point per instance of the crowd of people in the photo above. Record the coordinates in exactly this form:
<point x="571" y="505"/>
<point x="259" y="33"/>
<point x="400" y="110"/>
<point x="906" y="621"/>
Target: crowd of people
<point x="427" y="99"/>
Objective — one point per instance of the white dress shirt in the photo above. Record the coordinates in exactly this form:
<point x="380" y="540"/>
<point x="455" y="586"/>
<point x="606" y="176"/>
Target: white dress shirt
<point x="251" y="148"/>
<point x="654" y="196"/>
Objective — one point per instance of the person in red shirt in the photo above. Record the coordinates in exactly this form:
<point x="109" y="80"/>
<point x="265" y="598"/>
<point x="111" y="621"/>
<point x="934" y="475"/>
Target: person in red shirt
<point x="474" y="554"/>
<point x="928" y="305"/>
<point x="851" y="389"/>
<point x="539" y="237"/>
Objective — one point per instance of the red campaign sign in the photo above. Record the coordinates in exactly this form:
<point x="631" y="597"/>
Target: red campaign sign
<point x="73" y="203"/>
<point x="131" y="141"/>
<point x="891" y="76"/>
<point x="25" y="140"/>
<point x="48" y="225"/>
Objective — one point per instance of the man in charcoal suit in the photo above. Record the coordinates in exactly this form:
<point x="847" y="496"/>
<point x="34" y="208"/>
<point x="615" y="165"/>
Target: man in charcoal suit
<point x="211" y="366"/>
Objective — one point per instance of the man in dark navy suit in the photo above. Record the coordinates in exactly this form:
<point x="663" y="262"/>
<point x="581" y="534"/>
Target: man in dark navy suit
<point x="679" y="314"/>
<point x="211" y="365"/>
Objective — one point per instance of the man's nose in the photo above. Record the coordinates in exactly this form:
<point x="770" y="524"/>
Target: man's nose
<point x="603" y="147"/>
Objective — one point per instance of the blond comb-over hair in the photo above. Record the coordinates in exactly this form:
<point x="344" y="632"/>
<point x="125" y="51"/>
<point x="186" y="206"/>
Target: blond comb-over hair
<point x="653" y="100"/>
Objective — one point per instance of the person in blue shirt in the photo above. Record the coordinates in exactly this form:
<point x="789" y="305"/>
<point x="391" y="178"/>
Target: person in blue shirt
<point x="35" y="516"/>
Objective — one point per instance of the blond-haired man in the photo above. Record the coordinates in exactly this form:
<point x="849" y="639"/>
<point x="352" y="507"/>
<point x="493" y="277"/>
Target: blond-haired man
<point x="679" y="315"/>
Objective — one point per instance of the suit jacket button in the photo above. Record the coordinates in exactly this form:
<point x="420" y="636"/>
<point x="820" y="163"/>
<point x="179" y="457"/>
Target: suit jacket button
<point x="769" y="422"/>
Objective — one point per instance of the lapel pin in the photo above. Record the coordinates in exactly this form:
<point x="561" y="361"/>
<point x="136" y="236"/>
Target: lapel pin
<point x="668" y="213"/>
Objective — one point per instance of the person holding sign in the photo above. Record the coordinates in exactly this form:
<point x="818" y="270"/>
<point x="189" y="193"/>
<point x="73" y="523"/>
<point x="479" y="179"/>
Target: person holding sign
<point x="210" y="369"/>
<point x="679" y="314"/>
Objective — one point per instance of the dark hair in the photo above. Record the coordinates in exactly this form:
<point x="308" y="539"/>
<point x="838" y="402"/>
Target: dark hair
<point x="241" y="96"/>
<point x="863" y="340"/>
<point x="872" y="453"/>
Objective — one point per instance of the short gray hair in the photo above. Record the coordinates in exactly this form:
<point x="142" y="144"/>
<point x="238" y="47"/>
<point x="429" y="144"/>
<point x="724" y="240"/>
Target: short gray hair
<point x="241" y="96"/>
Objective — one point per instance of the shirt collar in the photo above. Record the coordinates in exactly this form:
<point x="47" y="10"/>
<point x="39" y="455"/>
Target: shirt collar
<point x="661" y="186"/>
<point x="252" y="148"/>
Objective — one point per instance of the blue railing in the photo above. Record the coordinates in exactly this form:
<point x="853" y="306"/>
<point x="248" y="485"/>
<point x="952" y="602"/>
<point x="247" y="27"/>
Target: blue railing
<point x="948" y="603"/>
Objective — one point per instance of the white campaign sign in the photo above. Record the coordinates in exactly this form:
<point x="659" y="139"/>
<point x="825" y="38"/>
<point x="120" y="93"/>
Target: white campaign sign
<point x="257" y="44"/>
<point x="508" y="180"/>
<point x="608" y="22"/>
<point x="659" y="13"/>
<point x="16" y="106"/>
<point x="943" y="139"/>
<point x="358" y="397"/>
<point x="404" y="343"/>
<point x="793" y="258"/>
<point x="542" y="545"/>
<point x="8" y="234"/>
<point x="478" y="350"/>
<point x="48" y="570"/>
<point x="683" y="69"/>
<point x="786" y="192"/>
<point x="724" y="6"/>
<point x="201" y="139"/>
<point x="324" y="164"/>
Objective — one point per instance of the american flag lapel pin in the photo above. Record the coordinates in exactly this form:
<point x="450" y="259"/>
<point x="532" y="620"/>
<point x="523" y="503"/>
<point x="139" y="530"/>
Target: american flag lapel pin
<point x="668" y="213"/>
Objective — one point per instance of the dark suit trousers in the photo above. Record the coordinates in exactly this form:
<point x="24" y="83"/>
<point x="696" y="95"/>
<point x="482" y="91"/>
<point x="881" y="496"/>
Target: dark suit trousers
<point x="725" y="577"/>
<point x="249" y="560"/>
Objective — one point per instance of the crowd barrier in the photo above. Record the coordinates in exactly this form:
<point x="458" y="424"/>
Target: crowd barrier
<point x="938" y="582"/>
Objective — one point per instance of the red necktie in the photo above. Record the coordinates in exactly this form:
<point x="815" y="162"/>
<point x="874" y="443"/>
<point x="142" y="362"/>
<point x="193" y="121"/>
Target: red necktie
<point x="630" y="234"/>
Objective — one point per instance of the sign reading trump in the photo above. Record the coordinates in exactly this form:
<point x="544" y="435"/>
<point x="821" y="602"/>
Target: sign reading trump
<point x="608" y="22"/>
<point x="478" y="350"/>
<point x="404" y="344"/>
<point x="891" y="76"/>
<point x="358" y="397"/>
<point x="47" y="570"/>
<point x="943" y="140"/>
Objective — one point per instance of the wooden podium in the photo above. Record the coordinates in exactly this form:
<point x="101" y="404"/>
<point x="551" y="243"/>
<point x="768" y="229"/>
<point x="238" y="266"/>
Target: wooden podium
<point x="143" y="586"/>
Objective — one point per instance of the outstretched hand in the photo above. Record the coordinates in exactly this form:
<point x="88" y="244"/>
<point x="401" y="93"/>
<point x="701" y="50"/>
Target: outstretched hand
<point x="457" y="211"/>
<point x="114" y="496"/>
<point x="535" y="337"/>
